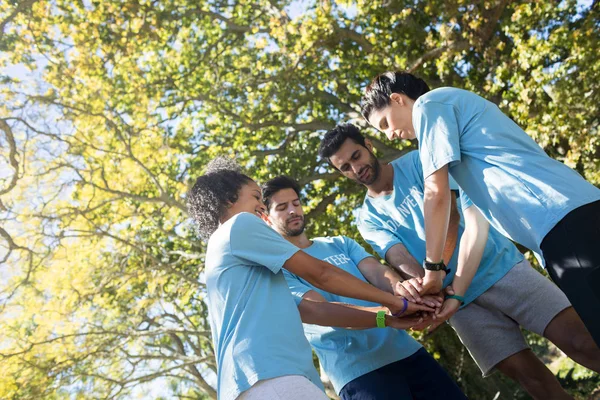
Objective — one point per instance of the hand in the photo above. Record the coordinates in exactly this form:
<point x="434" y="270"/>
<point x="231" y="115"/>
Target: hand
<point x="411" y="308"/>
<point x="433" y="282"/>
<point x="409" y="289"/>
<point x="433" y="300"/>
<point x="428" y="320"/>
<point x="404" y="322"/>
<point x="449" y="308"/>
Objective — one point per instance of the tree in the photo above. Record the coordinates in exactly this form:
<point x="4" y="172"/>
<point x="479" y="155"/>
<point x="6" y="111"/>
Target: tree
<point x="126" y="101"/>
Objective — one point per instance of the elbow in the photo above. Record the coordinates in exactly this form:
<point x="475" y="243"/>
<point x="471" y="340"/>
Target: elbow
<point x="436" y="194"/>
<point x="310" y="312"/>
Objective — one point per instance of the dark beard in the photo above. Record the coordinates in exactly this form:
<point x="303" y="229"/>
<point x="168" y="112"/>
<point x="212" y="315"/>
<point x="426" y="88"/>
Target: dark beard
<point x="293" y="232"/>
<point x="375" y="168"/>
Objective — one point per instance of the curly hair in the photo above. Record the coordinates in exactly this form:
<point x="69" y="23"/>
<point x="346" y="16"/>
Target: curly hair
<point x="213" y="192"/>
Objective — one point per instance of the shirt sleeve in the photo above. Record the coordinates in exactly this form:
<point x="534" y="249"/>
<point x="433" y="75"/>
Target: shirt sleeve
<point x="452" y="183"/>
<point x="355" y="251"/>
<point x="436" y="128"/>
<point x="297" y="287"/>
<point x="256" y="243"/>
<point x="465" y="201"/>
<point x="379" y="238"/>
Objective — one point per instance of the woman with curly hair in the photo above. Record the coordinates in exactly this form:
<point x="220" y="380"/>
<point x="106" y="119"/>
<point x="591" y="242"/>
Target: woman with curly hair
<point x="257" y="332"/>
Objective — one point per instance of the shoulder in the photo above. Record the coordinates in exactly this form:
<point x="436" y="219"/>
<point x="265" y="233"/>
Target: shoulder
<point x="409" y="157"/>
<point x="244" y="219"/>
<point x="248" y="226"/>
<point x="329" y="240"/>
<point x="448" y="96"/>
<point x="444" y="94"/>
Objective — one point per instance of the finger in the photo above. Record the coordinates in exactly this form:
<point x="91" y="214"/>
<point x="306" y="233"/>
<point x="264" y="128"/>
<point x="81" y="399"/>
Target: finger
<point x="435" y="303"/>
<point x="417" y="283"/>
<point x="406" y="322"/>
<point x="414" y="292"/>
<point x="449" y="290"/>
<point x="422" y="326"/>
<point x="401" y="291"/>
<point x="434" y="300"/>
<point x="435" y="325"/>
<point x="413" y="307"/>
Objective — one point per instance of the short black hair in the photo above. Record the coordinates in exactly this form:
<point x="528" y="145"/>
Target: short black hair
<point x="276" y="184"/>
<point x="377" y="94"/>
<point x="335" y="138"/>
<point x="213" y="192"/>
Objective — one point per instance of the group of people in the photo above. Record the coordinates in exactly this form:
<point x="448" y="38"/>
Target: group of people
<point x="443" y="218"/>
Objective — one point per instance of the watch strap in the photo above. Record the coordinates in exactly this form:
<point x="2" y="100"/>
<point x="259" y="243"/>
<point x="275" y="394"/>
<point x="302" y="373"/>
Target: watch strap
<point x="380" y="319"/>
<point x="456" y="297"/>
<point x="438" y="266"/>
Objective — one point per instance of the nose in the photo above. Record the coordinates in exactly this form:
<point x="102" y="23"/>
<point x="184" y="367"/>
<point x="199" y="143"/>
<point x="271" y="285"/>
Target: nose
<point x="391" y="134"/>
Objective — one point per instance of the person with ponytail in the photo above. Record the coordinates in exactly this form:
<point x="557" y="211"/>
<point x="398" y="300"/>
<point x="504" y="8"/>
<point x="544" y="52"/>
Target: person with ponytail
<point x="516" y="187"/>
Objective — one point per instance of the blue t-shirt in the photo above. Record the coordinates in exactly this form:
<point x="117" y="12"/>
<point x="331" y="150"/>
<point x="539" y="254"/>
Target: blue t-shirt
<point x="385" y="221"/>
<point x="518" y="188"/>
<point x="348" y="354"/>
<point x="256" y="326"/>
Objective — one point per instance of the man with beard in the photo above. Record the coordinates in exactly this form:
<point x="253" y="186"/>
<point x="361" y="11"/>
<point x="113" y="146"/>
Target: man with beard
<point x="362" y="360"/>
<point x="496" y="291"/>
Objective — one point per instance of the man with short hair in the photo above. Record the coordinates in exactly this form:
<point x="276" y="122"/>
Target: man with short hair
<point x="363" y="361"/>
<point x="495" y="290"/>
<point x="523" y="193"/>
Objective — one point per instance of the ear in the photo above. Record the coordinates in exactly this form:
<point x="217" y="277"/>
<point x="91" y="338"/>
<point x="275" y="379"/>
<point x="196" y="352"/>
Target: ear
<point x="369" y="145"/>
<point x="397" y="98"/>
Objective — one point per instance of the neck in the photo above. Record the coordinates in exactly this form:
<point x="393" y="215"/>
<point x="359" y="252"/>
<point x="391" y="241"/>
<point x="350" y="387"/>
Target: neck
<point x="384" y="183"/>
<point x="300" y="241"/>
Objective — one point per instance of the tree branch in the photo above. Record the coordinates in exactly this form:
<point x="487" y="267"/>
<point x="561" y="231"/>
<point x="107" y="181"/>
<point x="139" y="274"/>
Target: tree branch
<point x="21" y="7"/>
<point x="12" y="156"/>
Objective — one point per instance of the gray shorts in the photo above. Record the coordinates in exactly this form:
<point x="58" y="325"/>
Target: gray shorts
<point x="489" y="327"/>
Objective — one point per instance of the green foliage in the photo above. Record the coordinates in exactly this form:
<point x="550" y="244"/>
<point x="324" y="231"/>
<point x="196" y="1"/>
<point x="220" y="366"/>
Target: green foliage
<point x="123" y="104"/>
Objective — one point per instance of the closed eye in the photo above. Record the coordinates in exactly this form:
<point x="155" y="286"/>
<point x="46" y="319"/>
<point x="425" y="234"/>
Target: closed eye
<point x="383" y="125"/>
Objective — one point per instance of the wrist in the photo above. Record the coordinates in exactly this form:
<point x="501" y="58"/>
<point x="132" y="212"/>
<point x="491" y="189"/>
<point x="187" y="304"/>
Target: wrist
<point x="458" y="298"/>
<point x="433" y="275"/>
<point x="381" y="319"/>
<point x="395" y="302"/>
<point x="429" y="266"/>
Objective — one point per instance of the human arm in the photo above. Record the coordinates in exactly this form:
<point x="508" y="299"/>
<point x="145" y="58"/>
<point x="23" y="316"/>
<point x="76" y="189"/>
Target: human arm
<point x="437" y="129"/>
<point x="334" y="280"/>
<point x="389" y="280"/>
<point x="315" y="309"/>
<point x="250" y="249"/>
<point x="436" y="203"/>
<point x="472" y="246"/>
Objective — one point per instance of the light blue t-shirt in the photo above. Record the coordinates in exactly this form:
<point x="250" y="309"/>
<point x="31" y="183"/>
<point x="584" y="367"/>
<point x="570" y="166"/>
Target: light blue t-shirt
<point x="256" y="327"/>
<point x="385" y="221"/>
<point x="521" y="191"/>
<point x="348" y="354"/>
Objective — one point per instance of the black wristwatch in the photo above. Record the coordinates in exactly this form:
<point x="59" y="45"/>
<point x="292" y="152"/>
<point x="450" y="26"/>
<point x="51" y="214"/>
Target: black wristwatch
<point x="439" y="266"/>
